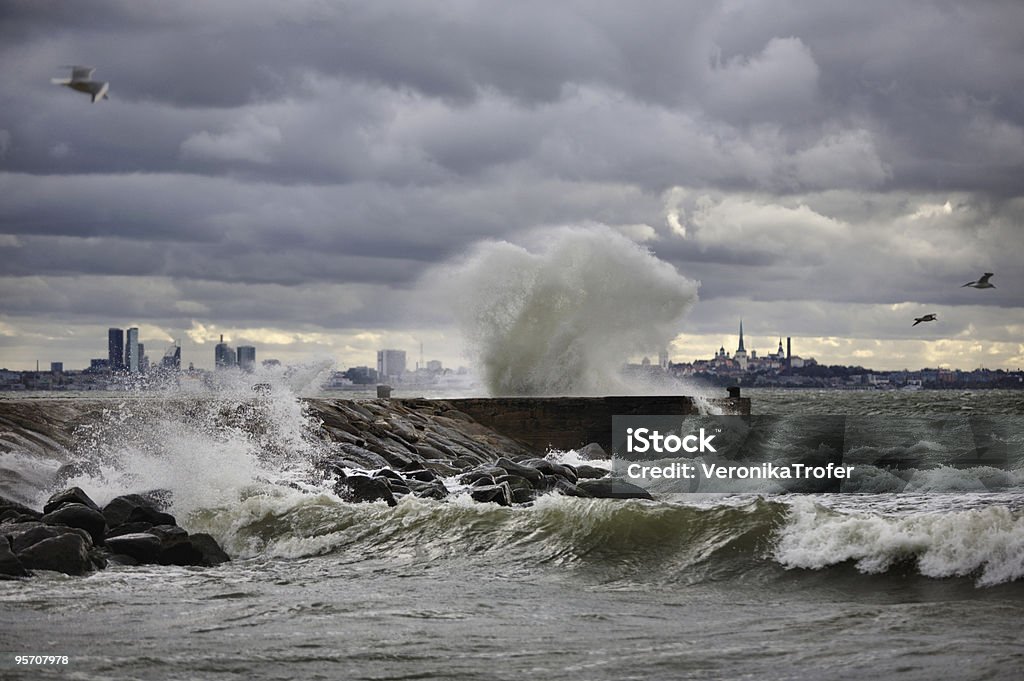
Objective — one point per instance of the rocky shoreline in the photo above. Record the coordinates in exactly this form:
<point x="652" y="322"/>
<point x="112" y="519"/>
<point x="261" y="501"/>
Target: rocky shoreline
<point x="75" y="536"/>
<point x="368" y="451"/>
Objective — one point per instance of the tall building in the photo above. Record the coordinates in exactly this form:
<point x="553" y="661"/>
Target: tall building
<point x="740" y="356"/>
<point x="390" y="364"/>
<point x="115" y="349"/>
<point x="172" y="357"/>
<point x="224" y="355"/>
<point x="143" y="360"/>
<point x="131" y="351"/>
<point x="246" y="357"/>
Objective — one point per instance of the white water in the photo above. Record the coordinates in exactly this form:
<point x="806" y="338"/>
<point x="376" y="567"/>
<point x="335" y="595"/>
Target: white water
<point x="560" y="316"/>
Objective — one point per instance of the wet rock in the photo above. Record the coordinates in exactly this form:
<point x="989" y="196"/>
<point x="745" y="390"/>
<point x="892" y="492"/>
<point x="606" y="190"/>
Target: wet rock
<point x="613" y="488"/>
<point x="441" y="468"/>
<point x="134" y="508"/>
<point x="429" y="490"/>
<point x="483" y="472"/>
<point x="67" y="553"/>
<point x="75" y="495"/>
<point x="586" y="472"/>
<point x="33" y="535"/>
<point x="208" y="548"/>
<point x="142" y="547"/>
<point x="421" y="474"/>
<point x="363" y="488"/>
<point x="10" y="566"/>
<point x="528" y="472"/>
<point x="129" y="528"/>
<point x="19" y="509"/>
<point x="81" y="516"/>
<point x="388" y="473"/>
<point x="76" y="469"/>
<point x="175" y="546"/>
<point x="551" y="468"/>
<point x="523" y="496"/>
<point x="496" y="494"/>
<point x="514" y="482"/>
<point x="563" y="486"/>
<point x="592" y="452"/>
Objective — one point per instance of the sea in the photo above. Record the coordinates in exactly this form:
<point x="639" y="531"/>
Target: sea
<point x="927" y="583"/>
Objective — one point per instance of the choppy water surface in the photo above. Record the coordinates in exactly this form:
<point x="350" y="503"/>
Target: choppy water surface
<point x="914" y="586"/>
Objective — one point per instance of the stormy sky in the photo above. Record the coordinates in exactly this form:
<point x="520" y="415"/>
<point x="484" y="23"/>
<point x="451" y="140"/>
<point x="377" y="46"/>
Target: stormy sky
<point x="286" y="173"/>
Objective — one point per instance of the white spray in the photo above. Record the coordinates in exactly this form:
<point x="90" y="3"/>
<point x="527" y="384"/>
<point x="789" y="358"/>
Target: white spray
<point x="562" y="317"/>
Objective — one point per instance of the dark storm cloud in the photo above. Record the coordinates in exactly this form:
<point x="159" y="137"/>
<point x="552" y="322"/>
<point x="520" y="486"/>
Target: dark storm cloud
<point x="784" y="153"/>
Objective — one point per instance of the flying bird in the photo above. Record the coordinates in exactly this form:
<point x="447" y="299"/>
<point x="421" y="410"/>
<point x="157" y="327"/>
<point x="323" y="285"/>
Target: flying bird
<point x="81" y="80"/>
<point x="981" y="283"/>
<point x="926" y="318"/>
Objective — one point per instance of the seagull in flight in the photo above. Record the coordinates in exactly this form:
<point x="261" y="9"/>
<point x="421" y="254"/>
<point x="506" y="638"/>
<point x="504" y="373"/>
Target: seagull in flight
<point x="926" y="318"/>
<point x="81" y="80"/>
<point x="981" y="283"/>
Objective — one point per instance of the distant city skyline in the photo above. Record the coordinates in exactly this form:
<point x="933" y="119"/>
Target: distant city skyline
<point x="828" y="171"/>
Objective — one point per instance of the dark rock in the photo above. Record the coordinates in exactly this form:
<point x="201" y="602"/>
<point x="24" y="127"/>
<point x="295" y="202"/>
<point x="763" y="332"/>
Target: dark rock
<point x="67" y="553"/>
<point x="497" y="494"/>
<point x="551" y="468"/>
<point x="592" y="452"/>
<point x="10" y="566"/>
<point x="81" y="516"/>
<point x="586" y="472"/>
<point x="528" y="472"/>
<point x="563" y="486"/>
<point x="141" y="546"/>
<point x="441" y="468"/>
<point x="76" y="469"/>
<point x="211" y="552"/>
<point x="11" y="505"/>
<point x="175" y="546"/>
<point x="523" y="496"/>
<point x="75" y="495"/>
<point x="363" y="488"/>
<point x="613" y="488"/>
<point x="429" y="490"/>
<point x="129" y="528"/>
<point x="33" y="535"/>
<point x="514" y="482"/>
<point x="485" y="481"/>
<point x="388" y="473"/>
<point x="121" y="559"/>
<point x="484" y="472"/>
<point x="98" y="558"/>
<point x="422" y="475"/>
<point x="134" y="508"/>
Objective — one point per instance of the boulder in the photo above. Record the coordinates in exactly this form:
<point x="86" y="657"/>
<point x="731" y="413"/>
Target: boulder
<point x="563" y="486"/>
<point x="10" y="566"/>
<point x="528" y="472"/>
<point x="592" y="452"/>
<point x="67" y="553"/>
<point x="208" y="548"/>
<point x="482" y="473"/>
<point x="33" y="535"/>
<point x="136" y="507"/>
<point x="75" y="495"/>
<point x="388" y="473"/>
<point x="497" y="494"/>
<point x="421" y="474"/>
<point x="142" y="547"/>
<point x="129" y="528"/>
<point x="586" y="472"/>
<point x="363" y="488"/>
<point x="613" y="488"/>
<point x="81" y="516"/>
<point x="175" y="546"/>
<point x="19" y="509"/>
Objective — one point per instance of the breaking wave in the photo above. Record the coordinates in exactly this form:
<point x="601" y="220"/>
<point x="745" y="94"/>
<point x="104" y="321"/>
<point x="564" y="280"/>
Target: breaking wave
<point x="560" y="317"/>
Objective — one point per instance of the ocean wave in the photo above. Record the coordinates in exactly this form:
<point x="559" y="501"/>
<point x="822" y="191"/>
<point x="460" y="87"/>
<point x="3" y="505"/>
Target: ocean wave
<point x="986" y="543"/>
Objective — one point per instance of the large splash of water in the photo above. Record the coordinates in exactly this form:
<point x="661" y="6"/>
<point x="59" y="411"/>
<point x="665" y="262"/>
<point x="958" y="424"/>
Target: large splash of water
<point x="560" y="317"/>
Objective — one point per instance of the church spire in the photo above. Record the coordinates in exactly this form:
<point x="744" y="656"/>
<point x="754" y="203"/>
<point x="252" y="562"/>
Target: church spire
<point x="740" y="348"/>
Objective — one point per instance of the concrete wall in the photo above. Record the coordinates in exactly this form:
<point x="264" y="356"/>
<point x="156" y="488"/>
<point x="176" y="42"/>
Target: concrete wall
<point x="570" y="422"/>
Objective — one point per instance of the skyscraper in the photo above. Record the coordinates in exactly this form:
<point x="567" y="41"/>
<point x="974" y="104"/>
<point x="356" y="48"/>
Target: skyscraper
<point x="172" y="357"/>
<point x="246" y="357"/>
<point x="224" y="355"/>
<point x="115" y="349"/>
<point x="390" y="363"/>
<point x="131" y="351"/>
